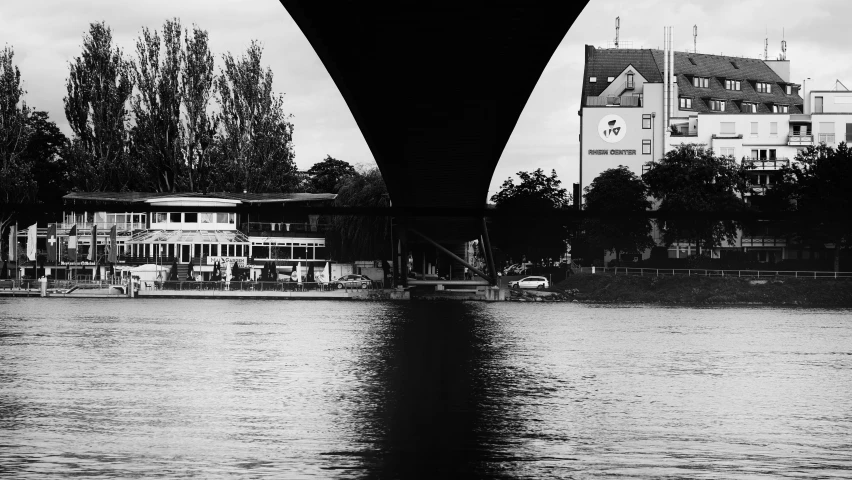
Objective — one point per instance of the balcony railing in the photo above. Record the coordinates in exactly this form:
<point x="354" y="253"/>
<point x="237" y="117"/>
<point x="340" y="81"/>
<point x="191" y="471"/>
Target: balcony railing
<point x="685" y="132"/>
<point x="613" y="100"/>
<point x="102" y="226"/>
<point x="281" y="229"/>
<point x="763" y="241"/>
<point x="800" y="140"/>
<point x="766" y="163"/>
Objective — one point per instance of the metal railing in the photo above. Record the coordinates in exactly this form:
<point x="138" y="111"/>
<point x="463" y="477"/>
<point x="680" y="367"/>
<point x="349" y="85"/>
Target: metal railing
<point x="767" y="163"/>
<point x="624" y="101"/>
<point x="282" y="228"/>
<point x="103" y="227"/>
<point x="800" y="139"/>
<point x="248" y="286"/>
<point x="701" y="272"/>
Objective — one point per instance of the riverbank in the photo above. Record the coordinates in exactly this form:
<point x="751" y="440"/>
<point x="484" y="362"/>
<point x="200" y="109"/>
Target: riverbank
<point x="696" y="290"/>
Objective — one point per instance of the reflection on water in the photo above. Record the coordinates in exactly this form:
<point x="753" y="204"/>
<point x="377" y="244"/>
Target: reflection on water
<point x="421" y="389"/>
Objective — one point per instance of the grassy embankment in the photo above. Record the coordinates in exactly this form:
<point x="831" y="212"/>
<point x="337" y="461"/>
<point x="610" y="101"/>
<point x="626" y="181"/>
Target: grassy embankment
<point x="696" y="290"/>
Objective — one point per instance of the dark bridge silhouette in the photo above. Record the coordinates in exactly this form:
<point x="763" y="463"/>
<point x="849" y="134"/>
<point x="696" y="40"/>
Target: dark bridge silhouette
<point x="436" y="89"/>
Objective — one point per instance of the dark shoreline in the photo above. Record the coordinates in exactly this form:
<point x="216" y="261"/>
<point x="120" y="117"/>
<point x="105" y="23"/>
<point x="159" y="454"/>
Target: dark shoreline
<point x="704" y="291"/>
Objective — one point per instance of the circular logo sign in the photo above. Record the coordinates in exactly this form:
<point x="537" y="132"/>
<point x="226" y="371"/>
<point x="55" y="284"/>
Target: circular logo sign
<point x="612" y="128"/>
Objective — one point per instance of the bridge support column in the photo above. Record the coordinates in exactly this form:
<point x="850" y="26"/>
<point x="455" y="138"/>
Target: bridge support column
<point x="452" y="255"/>
<point x="489" y="257"/>
<point x="403" y="254"/>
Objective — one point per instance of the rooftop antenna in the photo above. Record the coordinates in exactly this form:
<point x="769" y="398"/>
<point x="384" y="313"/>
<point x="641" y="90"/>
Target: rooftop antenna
<point x="838" y="84"/>
<point x="617" y="27"/>
<point x="695" y="39"/>
<point x="766" y="46"/>
<point x="783" y="46"/>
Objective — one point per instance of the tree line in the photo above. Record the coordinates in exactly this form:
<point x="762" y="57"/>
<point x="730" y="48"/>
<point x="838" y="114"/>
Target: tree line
<point x="159" y="120"/>
<point x="806" y="203"/>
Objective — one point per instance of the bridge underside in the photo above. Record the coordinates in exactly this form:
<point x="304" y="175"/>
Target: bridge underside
<point x="436" y="88"/>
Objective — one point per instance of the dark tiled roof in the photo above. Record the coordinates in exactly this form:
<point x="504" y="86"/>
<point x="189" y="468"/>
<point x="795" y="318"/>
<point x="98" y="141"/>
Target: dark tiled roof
<point x="603" y="63"/>
<point x="138" y="197"/>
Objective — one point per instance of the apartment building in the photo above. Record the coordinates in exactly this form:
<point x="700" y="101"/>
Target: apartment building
<point x="637" y="104"/>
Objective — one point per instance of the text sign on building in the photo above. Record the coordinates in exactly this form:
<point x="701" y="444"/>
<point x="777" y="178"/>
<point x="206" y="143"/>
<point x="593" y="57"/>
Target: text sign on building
<point x="238" y="261"/>
<point x="611" y="152"/>
<point x="612" y="128"/>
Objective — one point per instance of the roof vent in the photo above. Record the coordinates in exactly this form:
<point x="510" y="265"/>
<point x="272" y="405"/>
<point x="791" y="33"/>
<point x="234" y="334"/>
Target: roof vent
<point x="692" y="61"/>
<point x="734" y="64"/>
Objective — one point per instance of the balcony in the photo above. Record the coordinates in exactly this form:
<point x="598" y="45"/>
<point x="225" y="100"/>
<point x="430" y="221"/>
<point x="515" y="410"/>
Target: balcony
<point x="800" y="140"/>
<point x="613" y="100"/>
<point x="684" y="131"/>
<point x="766" y="163"/>
<point x="280" y="229"/>
<point x="763" y="241"/>
<point x="103" y="227"/>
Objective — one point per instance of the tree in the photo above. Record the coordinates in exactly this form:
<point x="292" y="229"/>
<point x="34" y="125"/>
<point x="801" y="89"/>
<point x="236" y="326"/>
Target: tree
<point x="815" y="189"/>
<point x="157" y="106"/>
<point x="199" y="129"/>
<point x="43" y="152"/>
<point x="17" y="184"/>
<point x="616" y="194"/>
<point x="533" y="240"/>
<point x="98" y="88"/>
<point x="691" y="182"/>
<point x="356" y="237"/>
<point x="257" y="136"/>
<point x="328" y="175"/>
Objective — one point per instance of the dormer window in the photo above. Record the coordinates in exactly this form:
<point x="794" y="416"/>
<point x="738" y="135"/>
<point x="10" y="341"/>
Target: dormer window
<point x="732" y="85"/>
<point x="749" y="107"/>
<point x="593" y="79"/>
<point x="610" y="79"/>
<point x="685" y="103"/>
<point x="780" y="109"/>
<point x="717" y="105"/>
<point x="789" y="89"/>
<point x="701" y="82"/>
<point x="763" y="87"/>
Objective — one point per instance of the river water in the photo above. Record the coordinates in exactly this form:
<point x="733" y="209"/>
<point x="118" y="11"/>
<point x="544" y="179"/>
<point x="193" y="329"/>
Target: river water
<point x="323" y="389"/>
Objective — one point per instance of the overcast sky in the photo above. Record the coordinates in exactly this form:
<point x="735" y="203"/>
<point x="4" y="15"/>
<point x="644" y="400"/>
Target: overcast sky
<point x="47" y="34"/>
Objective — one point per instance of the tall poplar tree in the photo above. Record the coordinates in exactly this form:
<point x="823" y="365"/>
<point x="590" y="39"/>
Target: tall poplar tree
<point x="98" y="87"/>
<point x="257" y="136"/>
<point x="17" y="184"/>
<point x="157" y="143"/>
<point x="199" y="128"/>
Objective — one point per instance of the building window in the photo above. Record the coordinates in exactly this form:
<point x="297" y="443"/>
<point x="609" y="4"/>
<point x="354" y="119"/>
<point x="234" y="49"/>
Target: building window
<point x="629" y="80"/>
<point x="728" y="128"/>
<point x="685" y="102"/>
<point x="190" y="217"/>
<point x="717" y="105"/>
<point x="732" y="85"/>
<point x="780" y="109"/>
<point x="610" y="79"/>
<point x="593" y="79"/>
<point x="174" y="217"/>
<point x="646" y="147"/>
<point x="646" y="121"/>
<point x="849" y="133"/>
<point x="701" y="82"/>
<point x="789" y="89"/>
<point x="826" y="132"/>
<point x="763" y="87"/>
<point x="754" y="128"/>
<point x="749" y="107"/>
<point x="773" y="128"/>
<point x="727" y="151"/>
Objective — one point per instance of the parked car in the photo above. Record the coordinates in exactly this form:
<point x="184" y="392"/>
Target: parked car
<point x="530" y="282"/>
<point x="353" y="281"/>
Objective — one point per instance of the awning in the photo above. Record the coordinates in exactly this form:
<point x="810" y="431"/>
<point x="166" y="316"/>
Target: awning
<point x="188" y="236"/>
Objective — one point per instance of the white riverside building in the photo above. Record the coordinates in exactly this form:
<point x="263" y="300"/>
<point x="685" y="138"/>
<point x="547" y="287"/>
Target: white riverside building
<point x="746" y="108"/>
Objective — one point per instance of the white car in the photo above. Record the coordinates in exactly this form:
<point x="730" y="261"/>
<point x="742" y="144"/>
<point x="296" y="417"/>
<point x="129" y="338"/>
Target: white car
<point x="530" y="282"/>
